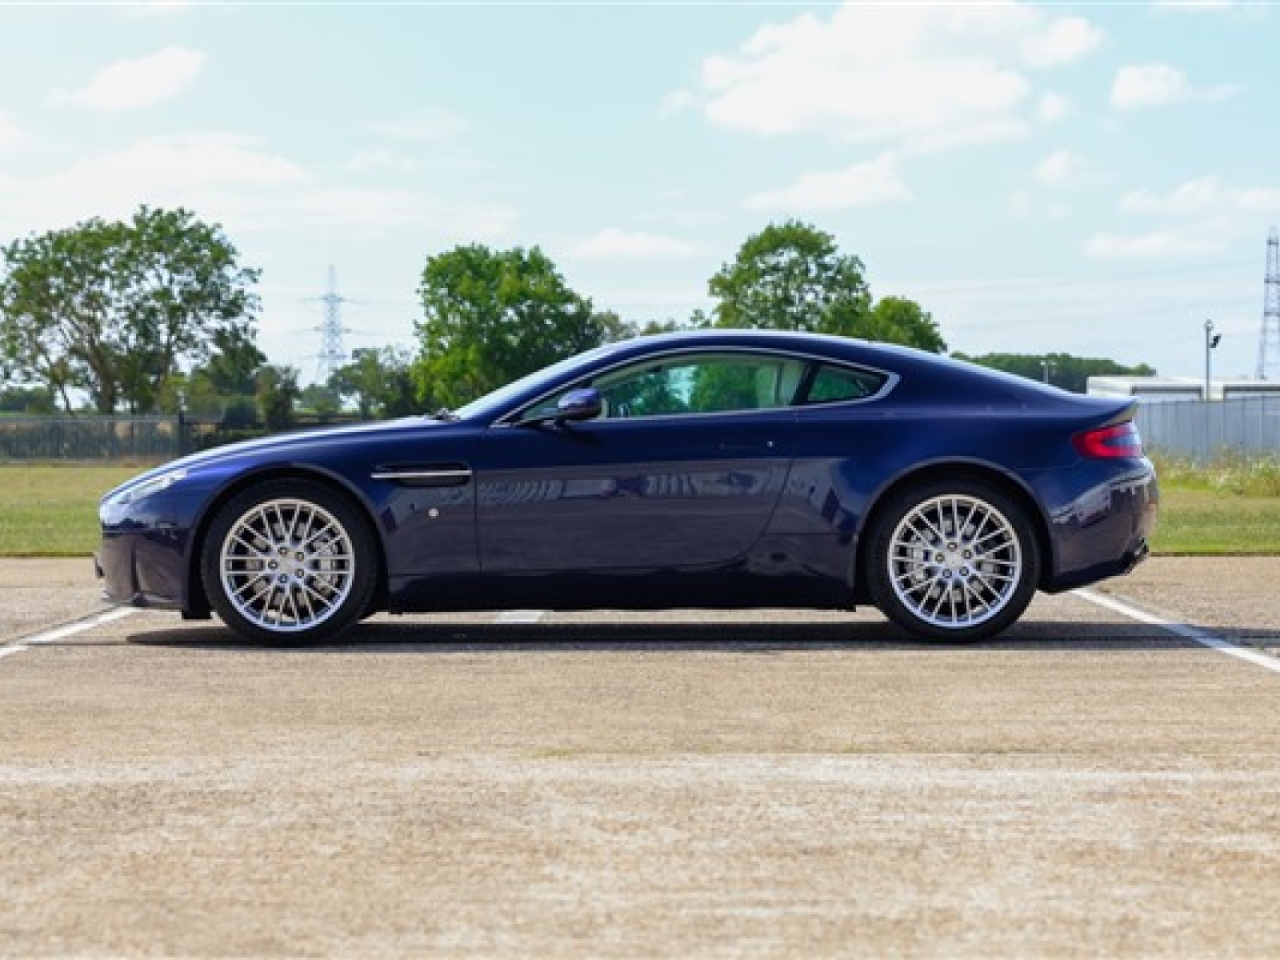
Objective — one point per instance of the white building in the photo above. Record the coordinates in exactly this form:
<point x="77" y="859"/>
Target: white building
<point x="1163" y="389"/>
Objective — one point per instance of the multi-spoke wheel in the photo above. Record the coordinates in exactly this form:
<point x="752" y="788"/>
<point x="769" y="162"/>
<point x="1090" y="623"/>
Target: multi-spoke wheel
<point x="953" y="561"/>
<point x="289" y="561"/>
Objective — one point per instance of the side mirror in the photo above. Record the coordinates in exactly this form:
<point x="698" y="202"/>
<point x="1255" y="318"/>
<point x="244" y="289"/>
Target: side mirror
<point x="583" y="404"/>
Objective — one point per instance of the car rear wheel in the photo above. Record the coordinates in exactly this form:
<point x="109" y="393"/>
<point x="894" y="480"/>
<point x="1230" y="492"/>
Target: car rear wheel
<point x="289" y="561"/>
<point x="954" y="561"/>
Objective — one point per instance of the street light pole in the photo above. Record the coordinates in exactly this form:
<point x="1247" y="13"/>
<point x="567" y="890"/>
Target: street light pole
<point x="1210" y="342"/>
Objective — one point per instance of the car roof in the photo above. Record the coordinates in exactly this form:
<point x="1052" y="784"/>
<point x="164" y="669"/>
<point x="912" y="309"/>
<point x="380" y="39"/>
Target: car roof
<point x="767" y="339"/>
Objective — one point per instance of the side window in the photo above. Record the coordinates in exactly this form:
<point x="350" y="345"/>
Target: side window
<point x="696" y="383"/>
<point x="832" y="384"/>
<point x="702" y="383"/>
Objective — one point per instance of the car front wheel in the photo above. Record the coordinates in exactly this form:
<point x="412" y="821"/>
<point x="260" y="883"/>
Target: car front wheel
<point x="953" y="561"/>
<point x="289" y="561"/>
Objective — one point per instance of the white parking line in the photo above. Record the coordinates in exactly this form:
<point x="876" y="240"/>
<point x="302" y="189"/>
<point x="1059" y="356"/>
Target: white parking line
<point x="1202" y="637"/>
<point x="68" y="630"/>
<point x="520" y="616"/>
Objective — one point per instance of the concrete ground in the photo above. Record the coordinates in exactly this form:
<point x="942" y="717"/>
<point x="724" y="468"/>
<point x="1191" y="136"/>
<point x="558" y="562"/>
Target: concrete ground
<point x="619" y="785"/>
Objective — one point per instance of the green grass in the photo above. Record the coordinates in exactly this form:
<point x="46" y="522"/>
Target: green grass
<point x="1231" y="507"/>
<point x="1199" y="522"/>
<point x="52" y="511"/>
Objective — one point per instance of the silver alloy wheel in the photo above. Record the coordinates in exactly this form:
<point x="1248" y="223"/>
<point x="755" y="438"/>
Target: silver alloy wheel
<point x="954" y="561"/>
<point x="287" y="565"/>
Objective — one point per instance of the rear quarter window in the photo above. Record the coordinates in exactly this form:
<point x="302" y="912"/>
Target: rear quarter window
<point x="833" y="384"/>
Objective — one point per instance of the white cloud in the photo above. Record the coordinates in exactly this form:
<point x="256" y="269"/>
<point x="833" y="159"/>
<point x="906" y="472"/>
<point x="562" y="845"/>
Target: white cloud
<point x="1204" y="195"/>
<point x="231" y="179"/>
<point x="433" y="125"/>
<point x="863" y="184"/>
<point x="377" y="209"/>
<point x="613" y="242"/>
<point x="1057" y="168"/>
<point x="1019" y="204"/>
<point x="1203" y="216"/>
<point x="1061" y="41"/>
<point x="10" y="134"/>
<point x="157" y="8"/>
<point x="1193" y="5"/>
<point x="919" y="75"/>
<point x="189" y="161"/>
<point x="200" y="171"/>
<point x="1148" y="85"/>
<point x="141" y="82"/>
<point x="678" y="101"/>
<point x="1053" y="107"/>
<point x="380" y="161"/>
<point x="1157" y="244"/>
<point x="1144" y="85"/>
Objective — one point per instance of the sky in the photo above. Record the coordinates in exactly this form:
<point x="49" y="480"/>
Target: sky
<point x="1094" y="179"/>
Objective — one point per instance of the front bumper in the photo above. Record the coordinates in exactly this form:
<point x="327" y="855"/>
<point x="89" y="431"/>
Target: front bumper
<point x="138" y="570"/>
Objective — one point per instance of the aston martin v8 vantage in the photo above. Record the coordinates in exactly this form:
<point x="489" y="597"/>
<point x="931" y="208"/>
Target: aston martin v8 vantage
<point x="726" y="469"/>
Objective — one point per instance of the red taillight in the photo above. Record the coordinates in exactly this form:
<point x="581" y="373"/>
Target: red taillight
<point x="1119" y="440"/>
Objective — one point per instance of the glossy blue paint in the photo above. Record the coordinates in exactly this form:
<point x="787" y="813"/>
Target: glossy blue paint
<point x="730" y="507"/>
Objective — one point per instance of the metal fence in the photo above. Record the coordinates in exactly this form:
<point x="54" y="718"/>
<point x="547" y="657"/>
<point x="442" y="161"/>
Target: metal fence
<point x="1193" y="429"/>
<point x="89" y="438"/>
<point x="1200" y="431"/>
<point x="141" y="439"/>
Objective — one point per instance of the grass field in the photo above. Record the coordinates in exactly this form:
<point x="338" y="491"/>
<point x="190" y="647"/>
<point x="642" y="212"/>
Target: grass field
<point x="1210" y="523"/>
<point x="52" y="511"/>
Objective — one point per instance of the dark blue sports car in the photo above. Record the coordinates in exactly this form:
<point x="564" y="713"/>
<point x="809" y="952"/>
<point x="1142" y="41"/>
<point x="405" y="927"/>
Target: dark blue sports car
<point x="709" y="469"/>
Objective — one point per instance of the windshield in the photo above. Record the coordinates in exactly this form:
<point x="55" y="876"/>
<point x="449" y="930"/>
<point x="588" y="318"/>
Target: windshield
<point x="493" y="403"/>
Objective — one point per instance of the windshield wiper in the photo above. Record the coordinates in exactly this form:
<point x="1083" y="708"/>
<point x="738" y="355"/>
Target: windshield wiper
<point x="444" y="414"/>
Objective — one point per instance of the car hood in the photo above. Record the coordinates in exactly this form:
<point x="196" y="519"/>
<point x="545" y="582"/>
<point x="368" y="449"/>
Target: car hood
<point x="283" y="444"/>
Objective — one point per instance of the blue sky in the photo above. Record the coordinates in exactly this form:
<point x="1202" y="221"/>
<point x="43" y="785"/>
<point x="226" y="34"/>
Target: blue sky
<point x="1092" y="179"/>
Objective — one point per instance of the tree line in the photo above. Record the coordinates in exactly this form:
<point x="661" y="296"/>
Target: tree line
<point x="143" y="314"/>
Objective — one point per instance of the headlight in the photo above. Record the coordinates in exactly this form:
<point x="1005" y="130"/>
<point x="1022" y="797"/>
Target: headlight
<point x="147" y="488"/>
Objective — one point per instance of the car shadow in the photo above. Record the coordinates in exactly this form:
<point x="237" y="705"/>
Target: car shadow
<point x="415" y="636"/>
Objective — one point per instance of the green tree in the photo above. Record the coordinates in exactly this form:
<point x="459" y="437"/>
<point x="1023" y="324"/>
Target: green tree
<point x="791" y="276"/>
<point x="492" y="316"/>
<point x="35" y="400"/>
<point x="899" y="320"/>
<point x="277" y="394"/>
<point x="379" y="381"/>
<point x="613" y="328"/>
<point x="1060" y="369"/>
<point x="234" y="363"/>
<point x="224" y="385"/>
<point x="322" y="400"/>
<point x="115" y="308"/>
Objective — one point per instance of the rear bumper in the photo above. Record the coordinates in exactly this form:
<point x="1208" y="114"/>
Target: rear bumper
<point x="1106" y="531"/>
<point x="1101" y="571"/>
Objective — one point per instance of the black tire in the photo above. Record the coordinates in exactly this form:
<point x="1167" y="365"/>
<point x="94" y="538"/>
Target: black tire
<point x="289" y="562"/>
<point x="954" y="561"/>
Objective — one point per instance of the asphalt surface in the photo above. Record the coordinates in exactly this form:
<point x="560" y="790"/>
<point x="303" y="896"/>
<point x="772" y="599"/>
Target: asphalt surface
<point x="617" y="785"/>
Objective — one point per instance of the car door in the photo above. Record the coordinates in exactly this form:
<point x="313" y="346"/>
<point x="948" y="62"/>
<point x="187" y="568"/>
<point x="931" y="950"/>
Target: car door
<point x="682" y="469"/>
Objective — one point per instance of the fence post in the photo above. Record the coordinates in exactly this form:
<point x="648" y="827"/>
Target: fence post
<point x="182" y="422"/>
